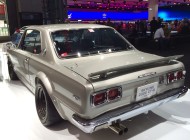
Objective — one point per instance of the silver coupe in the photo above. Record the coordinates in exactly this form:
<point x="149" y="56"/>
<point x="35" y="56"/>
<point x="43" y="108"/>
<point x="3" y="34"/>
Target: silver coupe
<point x="92" y="76"/>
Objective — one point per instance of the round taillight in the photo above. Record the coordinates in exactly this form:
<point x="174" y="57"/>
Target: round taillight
<point x="99" y="98"/>
<point x="113" y="94"/>
<point x="179" y="75"/>
<point x="171" y="77"/>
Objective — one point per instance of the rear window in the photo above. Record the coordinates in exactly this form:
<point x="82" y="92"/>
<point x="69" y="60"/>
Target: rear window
<point x="85" y="42"/>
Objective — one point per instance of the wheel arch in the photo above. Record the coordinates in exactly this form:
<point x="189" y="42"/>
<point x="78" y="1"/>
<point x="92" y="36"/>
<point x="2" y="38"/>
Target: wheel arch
<point x="43" y="78"/>
<point x="9" y="69"/>
<point x="8" y="59"/>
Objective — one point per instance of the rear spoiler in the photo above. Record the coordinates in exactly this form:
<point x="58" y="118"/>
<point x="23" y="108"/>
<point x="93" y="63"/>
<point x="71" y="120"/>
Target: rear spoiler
<point x="105" y="73"/>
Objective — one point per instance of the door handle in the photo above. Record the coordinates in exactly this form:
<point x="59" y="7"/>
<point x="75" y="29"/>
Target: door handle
<point x="26" y="59"/>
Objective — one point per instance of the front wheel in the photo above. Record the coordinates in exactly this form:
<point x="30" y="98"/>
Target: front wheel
<point x="12" y="73"/>
<point x="46" y="111"/>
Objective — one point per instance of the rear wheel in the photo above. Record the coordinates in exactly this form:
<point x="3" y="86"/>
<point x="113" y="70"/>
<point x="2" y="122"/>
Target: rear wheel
<point x="46" y="110"/>
<point x="12" y="73"/>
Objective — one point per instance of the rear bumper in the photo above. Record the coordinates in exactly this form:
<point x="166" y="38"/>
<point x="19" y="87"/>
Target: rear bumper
<point x="123" y="113"/>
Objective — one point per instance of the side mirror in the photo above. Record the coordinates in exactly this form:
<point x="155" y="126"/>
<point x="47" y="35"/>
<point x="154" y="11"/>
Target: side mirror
<point x="8" y="45"/>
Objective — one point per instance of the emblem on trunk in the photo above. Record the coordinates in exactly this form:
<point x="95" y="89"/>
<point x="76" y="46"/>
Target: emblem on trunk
<point x="147" y="74"/>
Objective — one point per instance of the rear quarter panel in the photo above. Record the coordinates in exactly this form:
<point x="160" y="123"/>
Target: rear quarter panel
<point x="63" y="85"/>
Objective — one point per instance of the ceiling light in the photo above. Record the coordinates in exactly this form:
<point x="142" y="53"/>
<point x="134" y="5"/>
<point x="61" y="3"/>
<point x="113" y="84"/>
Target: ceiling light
<point x="150" y="9"/>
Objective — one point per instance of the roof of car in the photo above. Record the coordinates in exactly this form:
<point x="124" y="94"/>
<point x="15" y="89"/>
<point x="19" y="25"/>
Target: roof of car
<point x="54" y="27"/>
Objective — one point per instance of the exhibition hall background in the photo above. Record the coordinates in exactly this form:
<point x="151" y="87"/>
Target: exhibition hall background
<point x="18" y="13"/>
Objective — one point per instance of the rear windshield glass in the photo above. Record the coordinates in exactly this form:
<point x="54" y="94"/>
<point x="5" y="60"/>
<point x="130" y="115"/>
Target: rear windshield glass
<point x="84" y="42"/>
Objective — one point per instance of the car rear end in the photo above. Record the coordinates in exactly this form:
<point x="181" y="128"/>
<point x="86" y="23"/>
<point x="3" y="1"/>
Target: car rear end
<point x="124" y="81"/>
<point x="125" y="92"/>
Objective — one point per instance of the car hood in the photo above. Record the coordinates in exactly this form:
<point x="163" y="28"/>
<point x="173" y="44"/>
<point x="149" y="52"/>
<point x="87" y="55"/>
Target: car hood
<point x="85" y="66"/>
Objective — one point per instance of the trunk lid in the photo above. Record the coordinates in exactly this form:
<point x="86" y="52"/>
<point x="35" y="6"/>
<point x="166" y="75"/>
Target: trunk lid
<point x="101" y="65"/>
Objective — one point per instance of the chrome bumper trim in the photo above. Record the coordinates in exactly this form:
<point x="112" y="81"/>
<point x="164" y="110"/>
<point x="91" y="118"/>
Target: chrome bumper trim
<point x="123" y="113"/>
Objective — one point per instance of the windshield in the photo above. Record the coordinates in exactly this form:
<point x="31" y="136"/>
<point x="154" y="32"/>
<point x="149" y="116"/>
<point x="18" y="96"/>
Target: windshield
<point x="83" y="42"/>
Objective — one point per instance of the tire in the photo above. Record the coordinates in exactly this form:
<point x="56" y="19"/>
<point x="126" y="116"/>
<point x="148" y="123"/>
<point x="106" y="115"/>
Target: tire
<point x="12" y="73"/>
<point x="46" y="110"/>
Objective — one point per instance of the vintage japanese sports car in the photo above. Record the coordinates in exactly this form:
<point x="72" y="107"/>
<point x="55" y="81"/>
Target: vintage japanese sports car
<point x="92" y="76"/>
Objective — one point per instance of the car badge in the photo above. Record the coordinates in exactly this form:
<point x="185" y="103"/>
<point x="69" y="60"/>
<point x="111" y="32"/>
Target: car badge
<point x="147" y="74"/>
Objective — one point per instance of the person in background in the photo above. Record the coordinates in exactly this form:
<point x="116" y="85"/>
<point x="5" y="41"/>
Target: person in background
<point x="137" y="25"/>
<point x="159" y="37"/>
<point x="98" y="22"/>
<point x="143" y="27"/>
<point x="109" y="23"/>
<point x="167" y="31"/>
<point x="133" y="33"/>
<point x="153" y="26"/>
<point x="176" y="23"/>
<point x="67" y="20"/>
<point x="167" y="34"/>
<point x="103" y="22"/>
<point x="119" y="27"/>
<point x="185" y="28"/>
<point x="179" y="28"/>
<point x="159" y="22"/>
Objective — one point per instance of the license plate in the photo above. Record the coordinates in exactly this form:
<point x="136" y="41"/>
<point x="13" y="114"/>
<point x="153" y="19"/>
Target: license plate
<point x="146" y="91"/>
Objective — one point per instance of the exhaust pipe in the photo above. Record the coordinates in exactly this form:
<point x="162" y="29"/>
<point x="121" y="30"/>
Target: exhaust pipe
<point x="125" y="129"/>
<point x="118" y="128"/>
<point x="115" y="128"/>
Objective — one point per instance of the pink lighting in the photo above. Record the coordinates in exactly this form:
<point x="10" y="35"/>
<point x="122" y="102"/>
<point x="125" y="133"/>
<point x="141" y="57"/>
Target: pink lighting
<point x="122" y="4"/>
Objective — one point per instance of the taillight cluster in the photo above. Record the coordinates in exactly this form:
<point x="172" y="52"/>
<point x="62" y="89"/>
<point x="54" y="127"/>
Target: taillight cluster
<point x="174" y="76"/>
<point x="106" y="96"/>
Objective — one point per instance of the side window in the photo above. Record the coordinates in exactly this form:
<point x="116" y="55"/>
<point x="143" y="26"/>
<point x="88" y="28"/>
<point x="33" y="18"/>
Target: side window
<point x="31" y="42"/>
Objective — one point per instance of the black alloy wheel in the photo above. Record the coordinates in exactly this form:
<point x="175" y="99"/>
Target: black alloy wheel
<point x="46" y="110"/>
<point x="11" y="71"/>
<point x="41" y="104"/>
